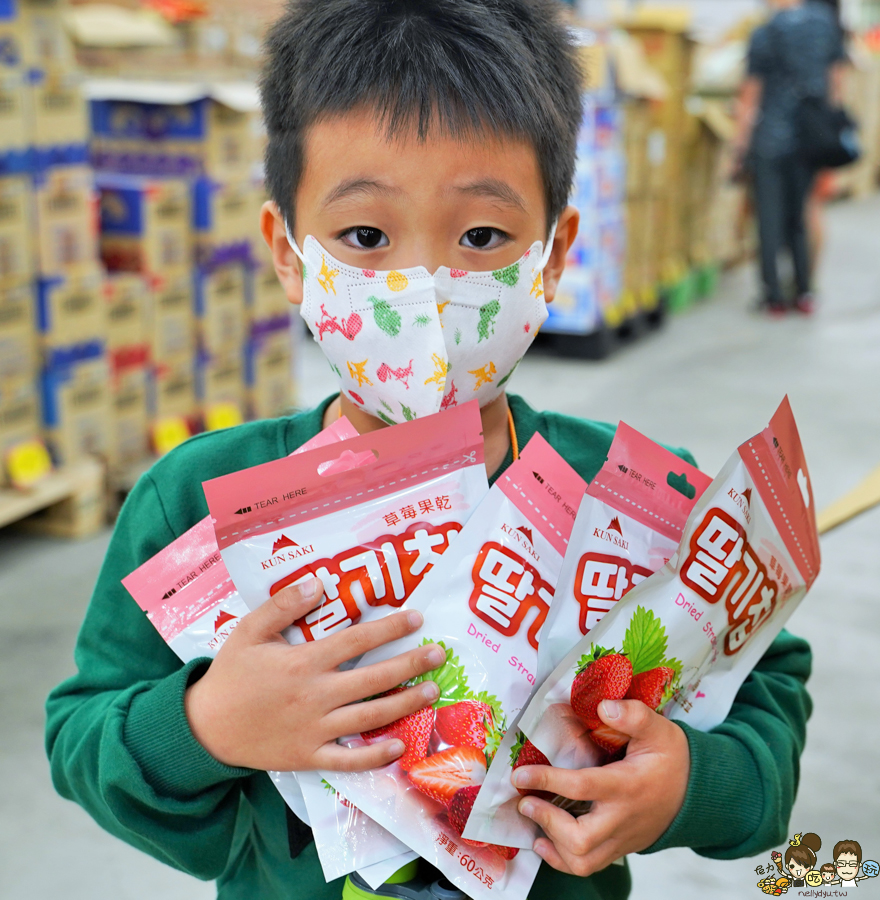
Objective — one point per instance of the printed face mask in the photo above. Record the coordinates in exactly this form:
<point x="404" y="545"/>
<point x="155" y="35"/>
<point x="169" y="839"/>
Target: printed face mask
<point x="405" y="343"/>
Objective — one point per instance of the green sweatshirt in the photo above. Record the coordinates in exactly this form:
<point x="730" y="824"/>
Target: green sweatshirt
<point x="120" y="746"/>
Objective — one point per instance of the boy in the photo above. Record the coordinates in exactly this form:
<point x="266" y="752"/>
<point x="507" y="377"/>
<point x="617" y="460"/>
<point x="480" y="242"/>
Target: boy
<point x="402" y="133"/>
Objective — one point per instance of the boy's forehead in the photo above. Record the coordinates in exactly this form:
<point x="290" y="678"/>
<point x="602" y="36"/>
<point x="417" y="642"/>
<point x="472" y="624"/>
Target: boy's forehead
<point x="354" y="154"/>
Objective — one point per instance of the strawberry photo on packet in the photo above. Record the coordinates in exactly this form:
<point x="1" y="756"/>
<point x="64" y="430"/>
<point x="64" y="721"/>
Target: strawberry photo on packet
<point x="628" y="525"/>
<point x="684" y="640"/>
<point x="484" y="603"/>
<point x="189" y="597"/>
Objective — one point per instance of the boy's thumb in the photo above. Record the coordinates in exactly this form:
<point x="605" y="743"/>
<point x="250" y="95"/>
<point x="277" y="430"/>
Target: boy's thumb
<point x="630" y="717"/>
<point x="285" y="607"/>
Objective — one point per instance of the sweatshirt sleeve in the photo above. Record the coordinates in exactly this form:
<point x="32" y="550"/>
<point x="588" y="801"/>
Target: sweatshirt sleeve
<point x="744" y="772"/>
<point x="117" y="737"/>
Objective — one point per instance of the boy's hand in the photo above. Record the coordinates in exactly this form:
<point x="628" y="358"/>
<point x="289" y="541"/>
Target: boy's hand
<point x="634" y="800"/>
<point x="264" y="704"/>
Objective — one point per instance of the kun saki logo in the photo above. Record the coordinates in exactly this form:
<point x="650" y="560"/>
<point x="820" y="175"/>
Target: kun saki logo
<point x="522" y="536"/>
<point x="222" y="618"/>
<point x="291" y="550"/>
<point x="613" y="534"/>
<point x="283" y="542"/>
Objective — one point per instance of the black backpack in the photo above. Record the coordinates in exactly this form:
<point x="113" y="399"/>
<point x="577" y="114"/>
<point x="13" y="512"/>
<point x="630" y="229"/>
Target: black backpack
<point x="827" y="135"/>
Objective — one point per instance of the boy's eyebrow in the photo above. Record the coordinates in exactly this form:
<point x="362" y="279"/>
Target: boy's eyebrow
<point x="493" y="189"/>
<point x="363" y="186"/>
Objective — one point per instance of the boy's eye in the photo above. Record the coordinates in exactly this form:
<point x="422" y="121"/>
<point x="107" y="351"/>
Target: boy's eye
<point x="483" y="238"/>
<point x="365" y="238"/>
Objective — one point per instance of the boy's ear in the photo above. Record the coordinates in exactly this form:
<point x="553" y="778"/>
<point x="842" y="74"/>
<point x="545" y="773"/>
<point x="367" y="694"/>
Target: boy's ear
<point x="287" y="263"/>
<point x="566" y="232"/>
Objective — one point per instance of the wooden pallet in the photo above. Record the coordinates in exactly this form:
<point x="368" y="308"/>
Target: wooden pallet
<point x="69" y="502"/>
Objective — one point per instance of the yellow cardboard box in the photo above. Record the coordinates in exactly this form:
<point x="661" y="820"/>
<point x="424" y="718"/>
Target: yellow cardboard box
<point x="57" y="109"/>
<point x="19" y="415"/>
<point x="13" y="120"/>
<point x="266" y="297"/>
<point x="221" y="309"/>
<point x="128" y="300"/>
<point x="71" y="309"/>
<point x="173" y="390"/>
<point x="145" y="224"/>
<point x="18" y="344"/>
<point x="76" y="404"/>
<point x="226" y="219"/>
<point x="64" y="199"/>
<point x="43" y="37"/>
<point x="172" y="328"/>
<point x="270" y="376"/>
<point x="130" y="425"/>
<point x="16" y="235"/>
<point x="220" y="380"/>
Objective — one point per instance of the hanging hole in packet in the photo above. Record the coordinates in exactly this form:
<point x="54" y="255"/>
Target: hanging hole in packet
<point x="681" y="484"/>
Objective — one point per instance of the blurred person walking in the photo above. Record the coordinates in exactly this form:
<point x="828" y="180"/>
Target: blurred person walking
<point x="797" y="54"/>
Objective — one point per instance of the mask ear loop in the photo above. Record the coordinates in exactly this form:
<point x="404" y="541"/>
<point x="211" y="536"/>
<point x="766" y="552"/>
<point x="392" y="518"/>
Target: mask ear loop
<point x="545" y="258"/>
<point x="295" y="247"/>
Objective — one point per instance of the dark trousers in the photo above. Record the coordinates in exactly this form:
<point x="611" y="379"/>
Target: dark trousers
<point x="781" y="187"/>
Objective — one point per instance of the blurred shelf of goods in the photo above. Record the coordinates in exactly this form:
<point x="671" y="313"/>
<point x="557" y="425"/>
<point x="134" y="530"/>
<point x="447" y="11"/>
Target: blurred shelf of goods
<point x="138" y="303"/>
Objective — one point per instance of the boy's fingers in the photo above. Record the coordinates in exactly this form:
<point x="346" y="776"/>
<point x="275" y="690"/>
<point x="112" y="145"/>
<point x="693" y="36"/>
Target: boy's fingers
<point x="284" y="608"/>
<point x="357" y="718"/>
<point x="380" y="677"/>
<point x="358" y="759"/>
<point x="545" y="849"/>
<point x="631" y="717"/>
<point x="358" y="639"/>
<point x="575" y="841"/>
<point x="598" y="783"/>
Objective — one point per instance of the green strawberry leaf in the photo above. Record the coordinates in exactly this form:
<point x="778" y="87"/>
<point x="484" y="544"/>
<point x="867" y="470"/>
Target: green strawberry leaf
<point x="645" y="641"/>
<point x="449" y="677"/>
<point x="494" y="704"/>
<point x="596" y="652"/>
<point x="674" y="684"/>
<point x="516" y="749"/>
<point x="328" y="786"/>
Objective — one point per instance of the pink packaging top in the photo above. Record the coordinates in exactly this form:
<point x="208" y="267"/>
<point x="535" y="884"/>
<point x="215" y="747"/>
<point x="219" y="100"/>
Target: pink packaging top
<point x="775" y="460"/>
<point x="195" y="555"/>
<point x="256" y="500"/>
<point x="546" y="489"/>
<point x="648" y="483"/>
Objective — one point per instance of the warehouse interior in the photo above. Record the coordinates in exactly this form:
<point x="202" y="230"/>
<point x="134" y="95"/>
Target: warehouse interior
<point x="139" y="307"/>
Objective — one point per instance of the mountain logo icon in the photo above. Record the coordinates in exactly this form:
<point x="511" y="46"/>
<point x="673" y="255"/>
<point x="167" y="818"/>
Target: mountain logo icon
<point x="283" y="542"/>
<point x="222" y="618"/>
<point x="614" y="525"/>
<point x="747" y="493"/>
<point x="526" y="532"/>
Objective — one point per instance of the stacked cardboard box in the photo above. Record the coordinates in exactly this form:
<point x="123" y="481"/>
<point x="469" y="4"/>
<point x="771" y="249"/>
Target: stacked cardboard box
<point x="663" y="35"/>
<point x="641" y="88"/>
<point x="54" y="323"/>
<point x="159" y="147"/>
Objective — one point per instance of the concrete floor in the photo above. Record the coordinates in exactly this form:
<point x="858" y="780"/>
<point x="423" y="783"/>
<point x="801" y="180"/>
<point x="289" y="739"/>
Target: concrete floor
<point x="709" y="380"/>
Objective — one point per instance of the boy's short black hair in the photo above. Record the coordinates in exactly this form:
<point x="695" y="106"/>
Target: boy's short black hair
<point x="465" y="66"/>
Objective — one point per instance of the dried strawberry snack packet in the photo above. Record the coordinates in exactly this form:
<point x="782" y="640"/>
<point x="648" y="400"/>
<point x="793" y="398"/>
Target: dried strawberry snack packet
<point x="485" y="603"/>
<point x="684" y="640"/>
<point x="628" y="525"/>
<point x="370" y="523"/>
<point x="189" y="597"/>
